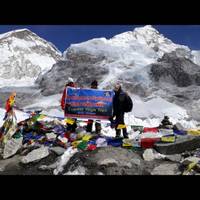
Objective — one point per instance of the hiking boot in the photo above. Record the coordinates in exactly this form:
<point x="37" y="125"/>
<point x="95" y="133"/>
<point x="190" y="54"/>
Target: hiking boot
<point x="118" y="136"/>
<point x="97" y="127"/>
<point x="126" y="136"/>
<point x="89" y="128"/>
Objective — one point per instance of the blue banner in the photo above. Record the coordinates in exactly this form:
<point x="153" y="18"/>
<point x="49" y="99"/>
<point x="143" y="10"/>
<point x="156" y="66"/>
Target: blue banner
<point x="88" y="103"/>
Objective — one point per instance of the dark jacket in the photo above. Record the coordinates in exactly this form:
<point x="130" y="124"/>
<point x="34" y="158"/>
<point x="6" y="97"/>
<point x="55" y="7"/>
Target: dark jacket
<point x="119" y="100"/>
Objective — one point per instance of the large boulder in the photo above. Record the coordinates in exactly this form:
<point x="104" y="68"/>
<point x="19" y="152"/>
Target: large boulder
<point x="58" y="150"/>
<point x="110" y="161"/>
<point x="174" y="157"/>
<point x="12" y="162"/>
<point x="11" y="147"/>
<point x="166" y="169"/>
<point x="182" y="144"/>
<point x="13" y="166"/>
<point x="35" y="155"/>
<point x="151" y="154"/>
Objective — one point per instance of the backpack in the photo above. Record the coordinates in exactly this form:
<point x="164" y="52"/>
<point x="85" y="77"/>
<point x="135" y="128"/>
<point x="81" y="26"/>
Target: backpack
<point x="128" y="106"/>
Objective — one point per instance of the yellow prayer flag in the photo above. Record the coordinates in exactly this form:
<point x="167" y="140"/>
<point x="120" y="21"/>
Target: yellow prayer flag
<point x="69" y="121"/>
<point x="168" y="139"/>
<point x="194" y="132"/>
<point x="86" y="137"/>
<point x="121" y="126"/>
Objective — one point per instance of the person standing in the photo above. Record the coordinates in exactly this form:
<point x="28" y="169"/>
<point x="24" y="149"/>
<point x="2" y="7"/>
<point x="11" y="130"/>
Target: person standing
<point x="94" y="85"/>
<point x="64" y="106"/>
<point x="70" y="83"/>
<point x="119" y="104"/>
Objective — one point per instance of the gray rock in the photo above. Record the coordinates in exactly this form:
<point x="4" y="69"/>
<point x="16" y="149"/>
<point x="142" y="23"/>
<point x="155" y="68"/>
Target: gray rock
<point x="107" y="161"/>
<point x="27" y="148"/>
<point x="99" y="173"/>
<point x="148" y="155"/>
<point x="135" y="161"/>
<point x="35" y="155"/>
<point x="11" y="147"/>
<point x="191" y="159"/>
<point x="48" y="167"/>
<point x="179" y="126"/>
<point x="58" y="150"/>
<point x="13" y="166"/>
<point x="151" y="154"/>
<point x="174" y="158"/>
<point x="182" y="144"/>
<point x="117" y="156"/>
<point x="166" y="169"/>
<point x="128" y="165"/>
<point x="10" y="162"/>
<point x="80" y="170"/>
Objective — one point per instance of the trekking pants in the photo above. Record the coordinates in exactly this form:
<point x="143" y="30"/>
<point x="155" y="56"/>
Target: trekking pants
<point x="97" y="126"/>
<point x="120" y="120"/>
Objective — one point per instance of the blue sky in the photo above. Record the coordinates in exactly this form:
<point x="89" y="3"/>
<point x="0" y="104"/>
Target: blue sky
<point x="64" y="35"/>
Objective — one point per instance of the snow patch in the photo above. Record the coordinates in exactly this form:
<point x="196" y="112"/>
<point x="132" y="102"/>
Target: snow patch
<point x="157" y="108"/>
<point x="79" y="171"/>
<point x="46" y="102"/>
<point x="64" y="159"/>
<point x="25" y="81"/>
<point x="196" y="57"/>
<point x="21" y="116"/>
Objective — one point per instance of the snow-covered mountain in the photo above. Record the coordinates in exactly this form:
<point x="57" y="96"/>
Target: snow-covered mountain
<point x="135" y="58"/>
<point x="196" y="57"/>
<point x="124" y="57"/>
<point x="161" y="76"/>
<point x="23" y="56"/>
<point x="141" y="39"/>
